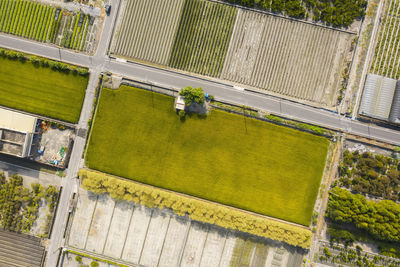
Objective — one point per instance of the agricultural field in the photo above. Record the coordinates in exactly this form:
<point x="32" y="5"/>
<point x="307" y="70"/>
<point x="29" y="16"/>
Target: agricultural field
<point x="386" y="58"/>
<point x="41" y="90"/>
<point x="199" y="157"/>
<point x="45" y="23"/>
<point x="161" y="27"/>
<point x="150" y="237"/>
<point x="259" y="51"/>
<point x="203" y="36"/>
<point x="293" y="59"/>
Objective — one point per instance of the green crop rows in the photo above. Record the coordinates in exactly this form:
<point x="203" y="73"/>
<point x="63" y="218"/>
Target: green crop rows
<point x="27" y="19"/>
<point x="37" y="22"/>
<point x="203" y="36"/>
<point x="387" y="51"/>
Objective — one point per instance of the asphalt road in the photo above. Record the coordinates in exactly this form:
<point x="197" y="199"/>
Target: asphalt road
<point x="221" y="91"/>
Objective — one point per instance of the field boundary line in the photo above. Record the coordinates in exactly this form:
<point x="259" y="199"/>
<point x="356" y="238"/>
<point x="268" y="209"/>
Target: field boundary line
<point x="182" y="250"/>
<point x="127" y="231"/>
<point x="281" y="16"/>
<point x="145" y="236"/>
<point x="165" y="237"/>
<point x="109" y="226"/>
<point x="91" y="220"/>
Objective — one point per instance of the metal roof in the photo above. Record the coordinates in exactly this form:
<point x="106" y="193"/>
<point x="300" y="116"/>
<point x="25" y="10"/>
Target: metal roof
<point x="16" y="121"/>
<point x="378" y="97"/>
<point x="395" y="110"/>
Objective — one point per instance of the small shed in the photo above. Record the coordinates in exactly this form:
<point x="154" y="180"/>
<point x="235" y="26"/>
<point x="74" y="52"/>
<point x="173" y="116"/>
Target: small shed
<point x="180" y="103"/>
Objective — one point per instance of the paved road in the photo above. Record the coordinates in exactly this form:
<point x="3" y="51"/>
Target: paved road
<point x="224" y="92"/>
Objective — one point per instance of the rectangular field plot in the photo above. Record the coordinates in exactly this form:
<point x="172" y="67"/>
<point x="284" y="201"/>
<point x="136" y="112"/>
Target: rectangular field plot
<point x="43" y="23"/>
<point x="153" y="42"/>
<point x="82" y="219"/>
<point x="174" y="242"/>
<point x="119" y="226"/>
<point x="100" y="224"/>
<point x="273" y="160"/>
<point x="136" y="235"/>
<point x="386" y="60"/>
<point x="154" y="239"/>
<point x="150" y="237"/>
<point x="41" y="90"/>
<point x="290" y="58"/>
<point x="203" y="37"/>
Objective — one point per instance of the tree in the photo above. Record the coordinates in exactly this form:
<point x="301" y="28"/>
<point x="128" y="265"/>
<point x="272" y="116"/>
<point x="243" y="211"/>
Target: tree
<point x="94" y="264"/>
<point x="193" y="95"/>
<point x="78" y="259"/>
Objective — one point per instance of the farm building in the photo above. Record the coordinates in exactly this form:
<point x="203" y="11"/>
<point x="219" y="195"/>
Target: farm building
<point x="381" y="99"/>
<point x="16" y="133"/>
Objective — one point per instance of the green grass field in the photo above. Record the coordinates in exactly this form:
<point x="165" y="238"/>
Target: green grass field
<point x="41" y="90"/>
<point x="267" y="169"/>
<point x="203" y="36"/>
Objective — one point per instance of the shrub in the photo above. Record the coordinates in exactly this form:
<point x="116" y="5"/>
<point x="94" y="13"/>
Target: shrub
<point x="274" y="118"/>
<point x="78" y="259"/>
<point x="196" y="209"/>
<point x="94" y="264"/>
<point x="193" y="95"/>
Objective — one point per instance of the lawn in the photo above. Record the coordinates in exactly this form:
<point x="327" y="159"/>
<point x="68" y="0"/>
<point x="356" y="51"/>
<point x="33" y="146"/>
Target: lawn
<point x="41" y="90"/>
<point x="267" y="169"/>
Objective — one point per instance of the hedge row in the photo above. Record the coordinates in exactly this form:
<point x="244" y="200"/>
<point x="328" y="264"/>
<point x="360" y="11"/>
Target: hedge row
<point x="43" y="62"/>
<point x="199" y="210"/>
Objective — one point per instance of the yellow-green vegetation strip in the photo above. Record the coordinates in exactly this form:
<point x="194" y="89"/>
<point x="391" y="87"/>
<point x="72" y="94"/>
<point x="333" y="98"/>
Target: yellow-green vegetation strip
<point x="94" y="258"/>
<point x="240" y="162"/>
<point x="196" y="209"/>
<point x="41" y="86"/>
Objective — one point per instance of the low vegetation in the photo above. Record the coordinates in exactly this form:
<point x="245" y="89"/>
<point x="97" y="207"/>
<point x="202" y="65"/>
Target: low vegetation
<point x="222" y="157"/>
<point x="375" y="175"/>
<point x="196" y="209"/>
<point x="202" y="38"/>
<point x="19" y="206"/>
<point x="42" y="23"/>
<point x="41" y="86"/>
<point x="334" y="13"/>
<point x="379" y="219"/>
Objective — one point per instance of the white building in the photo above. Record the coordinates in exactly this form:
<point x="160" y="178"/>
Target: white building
<point x="16" y="133"/>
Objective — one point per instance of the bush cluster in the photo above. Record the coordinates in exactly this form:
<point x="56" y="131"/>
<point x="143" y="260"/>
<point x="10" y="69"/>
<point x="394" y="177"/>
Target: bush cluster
<point x="379" y="219"/>
<point x="376" y="175"/>
<point x="196" y="209"/>
<point x="43" y="62"/>
<point x="19" y="206"/>
<point x="191" y="95"/>
<point x="336" y="13"/>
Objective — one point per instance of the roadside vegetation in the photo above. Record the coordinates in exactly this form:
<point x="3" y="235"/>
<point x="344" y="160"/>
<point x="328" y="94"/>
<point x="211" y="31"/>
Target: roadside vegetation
<point x="42" y="23"/>
<point x="41" y="86"/>
<point x="196" y="209"/>
<point x="222" y="157"/>
<point x="19" y="206"/>
<point x="334" y="13"/>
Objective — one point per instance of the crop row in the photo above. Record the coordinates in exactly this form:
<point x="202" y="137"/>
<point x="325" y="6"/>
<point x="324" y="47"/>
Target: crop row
<point x="203" y="37"/>
<point x="27" y="19"/>
<point x="42" y="23"/>
<point x="74" y="33"/>
<point x="387" y="49"/>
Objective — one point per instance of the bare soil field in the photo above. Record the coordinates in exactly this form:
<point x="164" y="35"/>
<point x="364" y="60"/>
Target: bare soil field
<point x="286" y="57"/>
<point x="150" y="237"/>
